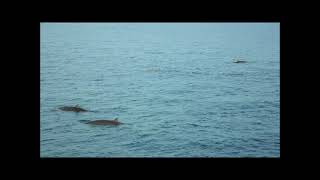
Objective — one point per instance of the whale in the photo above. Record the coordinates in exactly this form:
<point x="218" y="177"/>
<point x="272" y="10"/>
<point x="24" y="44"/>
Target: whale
<point x="239" y="61"/>
<point x="73" y="108"/>
<point x="114" y="122"/>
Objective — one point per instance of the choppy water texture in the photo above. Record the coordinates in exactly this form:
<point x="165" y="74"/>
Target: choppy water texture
<point x="173" y="85"/>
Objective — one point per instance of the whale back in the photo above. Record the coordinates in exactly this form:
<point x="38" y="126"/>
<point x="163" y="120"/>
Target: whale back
<point x="104" y="122"/>
<point x="240" y="61"/>
<point x="72" y="108"/>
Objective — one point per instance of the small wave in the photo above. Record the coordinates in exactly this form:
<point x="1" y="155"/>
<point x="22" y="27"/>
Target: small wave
<point x="120" y="109"/>
<point x="195" y="125"/>
<point x="84" y="121"/>
<point x="45" y="140"/>
<point x="153" y="70"/>
<point x="196" y="72"/>
<point x="144" y="135"/>
<point x="257" y="123"/>
<point x="99" y="135"/>
<point x="47" y="129"/>
<point x="261" y="106"/>
<point x="212" y="113"/>
<point x="257" y="140"/>
<point x="145" y="116"/>
<point x="232" y="74"/>
<point x="179" y="92"/>
<point x="169" y="101"/>
<point x="198" y="144"/>
<point x="154" y="52"/>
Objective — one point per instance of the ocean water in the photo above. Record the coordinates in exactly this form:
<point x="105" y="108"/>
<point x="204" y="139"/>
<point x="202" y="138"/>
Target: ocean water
<point x="173" y="85"/>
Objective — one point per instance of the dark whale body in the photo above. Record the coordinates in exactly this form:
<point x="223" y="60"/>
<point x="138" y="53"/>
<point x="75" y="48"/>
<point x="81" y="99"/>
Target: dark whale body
<point x="72" y="108"/>
<point x="239" y="61"/>
<point x="114" y="122"/>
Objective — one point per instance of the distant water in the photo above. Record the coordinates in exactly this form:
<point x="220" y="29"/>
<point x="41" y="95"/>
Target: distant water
<point x="173" y="85"/>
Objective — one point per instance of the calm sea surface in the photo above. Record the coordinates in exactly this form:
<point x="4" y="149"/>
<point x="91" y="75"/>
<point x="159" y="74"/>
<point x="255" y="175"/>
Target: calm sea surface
<point x="173" y="85"/>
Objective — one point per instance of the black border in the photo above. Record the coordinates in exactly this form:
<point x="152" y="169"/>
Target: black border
<point x="35" y="50"/>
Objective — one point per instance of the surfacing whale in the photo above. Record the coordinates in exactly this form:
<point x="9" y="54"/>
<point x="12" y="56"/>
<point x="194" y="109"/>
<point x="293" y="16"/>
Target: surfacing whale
<point x="114" y="122"/>
<point x="239" y="61"/>
<point x="76" y="108"/>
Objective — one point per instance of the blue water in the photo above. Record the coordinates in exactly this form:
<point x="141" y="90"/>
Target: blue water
<point x="173" y="85"/>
